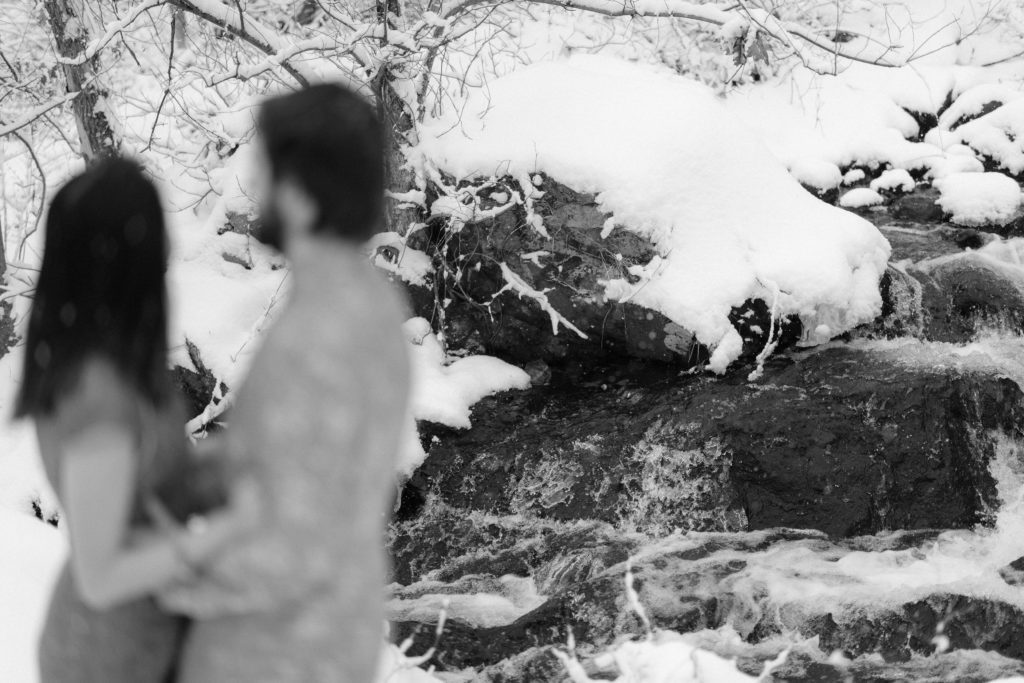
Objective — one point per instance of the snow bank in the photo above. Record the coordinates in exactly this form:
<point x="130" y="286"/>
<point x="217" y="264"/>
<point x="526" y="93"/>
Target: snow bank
<point x="23" y="481"/>
<point x="808" y="116"/>
<point x="673" y="165"/>
<point x="33" y="553"/>
<point x="979" y="198"/>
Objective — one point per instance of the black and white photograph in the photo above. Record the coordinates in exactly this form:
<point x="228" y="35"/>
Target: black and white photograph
<point x="511" y="341"/>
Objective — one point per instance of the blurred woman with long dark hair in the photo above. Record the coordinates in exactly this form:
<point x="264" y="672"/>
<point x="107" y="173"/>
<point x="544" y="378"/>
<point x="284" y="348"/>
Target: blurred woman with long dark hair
<point x="110" y="431"/>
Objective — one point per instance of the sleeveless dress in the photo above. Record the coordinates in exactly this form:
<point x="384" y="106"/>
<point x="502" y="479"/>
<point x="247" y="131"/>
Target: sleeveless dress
<point x="135" y="642"/>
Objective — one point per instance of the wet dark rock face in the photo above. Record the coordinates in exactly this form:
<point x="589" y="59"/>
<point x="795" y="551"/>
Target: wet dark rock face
<point x="837" y="440"/>
<point x="568" y="267"/>
<point x="622" y="444"/>
<point x="971" y="624"/>
<point x="937" y="288"/>
<point x="197" y="384"/>
<point x="868" y="446"/>
<point x="564" y="482"/>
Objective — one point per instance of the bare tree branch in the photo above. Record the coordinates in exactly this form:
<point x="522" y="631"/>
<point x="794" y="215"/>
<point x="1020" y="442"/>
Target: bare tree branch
<point x="112" y="31"/>
<point x="37" y="112"/>
<point x="251" y="31"/>
<point x="714" y="14"/>
<point x="42" y="195"/>
<point x="167" y="90"/>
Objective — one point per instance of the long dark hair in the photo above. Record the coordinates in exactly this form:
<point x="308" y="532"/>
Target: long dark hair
<point x="101" y="290"/>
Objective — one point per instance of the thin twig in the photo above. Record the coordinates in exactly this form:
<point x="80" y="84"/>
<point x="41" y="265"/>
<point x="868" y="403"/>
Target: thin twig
<point x="167" y="91"/>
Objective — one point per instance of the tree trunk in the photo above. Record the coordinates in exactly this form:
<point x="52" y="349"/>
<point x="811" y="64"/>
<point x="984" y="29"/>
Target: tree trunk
<point x="398" y="124"/>
<point x="95" y="130"/>
<point x="7" y="335"/>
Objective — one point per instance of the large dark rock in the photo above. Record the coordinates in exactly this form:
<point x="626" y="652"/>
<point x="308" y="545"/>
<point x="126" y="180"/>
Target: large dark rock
<point x="916" y="242"/>
<point x="908" y="629"/>
<point x="198" y="385"/>
<point x="918" y="206"/>
<point x="443" y="543"/>
<point x="467" y="295"/>
<point x="566" y="481"/>
<point x="567" y="268"/>
<point x="949" y="298"/>
<point x="840" y="440"/>
<point x="980" y="287"/>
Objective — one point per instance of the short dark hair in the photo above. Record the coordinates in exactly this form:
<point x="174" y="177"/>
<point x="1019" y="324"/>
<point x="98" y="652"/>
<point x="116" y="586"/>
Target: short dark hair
<point x="329" y="140"/>
<point x="101" y="290"/>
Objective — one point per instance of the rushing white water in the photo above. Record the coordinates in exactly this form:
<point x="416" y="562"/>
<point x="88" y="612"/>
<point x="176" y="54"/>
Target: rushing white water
<point x="784" y="580"/>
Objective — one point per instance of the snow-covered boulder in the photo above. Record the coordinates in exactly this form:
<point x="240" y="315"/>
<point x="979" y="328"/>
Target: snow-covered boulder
<point x="979" y="199"/>
<point x="998" y="136"/>
<point x="976" y="102"/>
<point x="670" y="164"/>
<point x="861" y="198"/>
<point x="893" y="180"/>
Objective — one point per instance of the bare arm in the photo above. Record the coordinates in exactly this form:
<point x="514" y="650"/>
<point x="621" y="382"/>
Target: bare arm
<point x="97" y="486"/>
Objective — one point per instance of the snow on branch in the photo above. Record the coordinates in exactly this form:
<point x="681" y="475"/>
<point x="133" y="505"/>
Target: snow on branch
<point x="514" y="283"/>
<point x="231" y="19"/>
<point x="320" y="44"/>
<point x="709" y="13"/>
<point x="36" y="112"/>
<point x="111" y="32"/>
<point x="793" y="35"/>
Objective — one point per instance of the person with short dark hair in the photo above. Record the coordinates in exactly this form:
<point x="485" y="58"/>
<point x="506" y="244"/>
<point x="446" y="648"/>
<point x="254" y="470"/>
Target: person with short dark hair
<point x="327" y="140"/>
<point x="110" y="431"/>
<point x="318" y="420"/>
